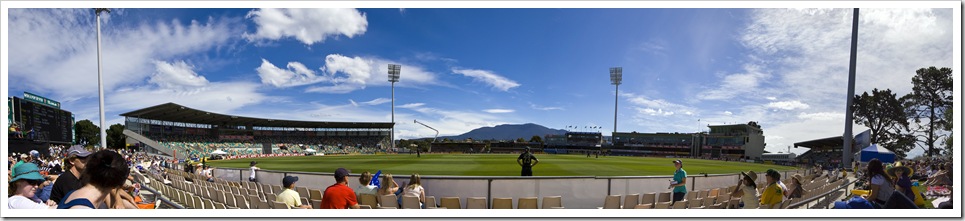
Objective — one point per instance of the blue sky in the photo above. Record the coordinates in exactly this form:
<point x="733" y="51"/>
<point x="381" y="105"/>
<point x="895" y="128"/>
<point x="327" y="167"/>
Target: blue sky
<point x="468" y="68"/>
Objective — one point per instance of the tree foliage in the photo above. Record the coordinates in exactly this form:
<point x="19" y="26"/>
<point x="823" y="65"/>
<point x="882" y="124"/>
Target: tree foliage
<point x="536" y="139"/>
<point x="931" y="97"/>
<point x="86" y="133"/>
<point x="883" y="113"/>
<point x="115" y="136"/>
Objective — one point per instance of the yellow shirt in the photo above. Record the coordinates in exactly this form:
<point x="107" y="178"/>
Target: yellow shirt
<point x="290" y="198"/>
<point x="772" y="195"/>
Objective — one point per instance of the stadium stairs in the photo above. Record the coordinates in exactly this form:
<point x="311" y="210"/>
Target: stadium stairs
<point x="150" y="143"/>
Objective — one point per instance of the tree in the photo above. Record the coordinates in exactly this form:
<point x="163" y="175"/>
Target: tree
<point x="115" y="136"/>
<point x="884" y="114"/>
<point x="948" y="141"/>
<point x="536" y="139"/>
<point x="926" y="105"/>
<point x="86" y="133"/>
<point x="520" y="140"/>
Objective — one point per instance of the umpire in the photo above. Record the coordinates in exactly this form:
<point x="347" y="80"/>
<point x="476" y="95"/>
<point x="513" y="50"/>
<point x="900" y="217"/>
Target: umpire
<point x="527" y="161"/>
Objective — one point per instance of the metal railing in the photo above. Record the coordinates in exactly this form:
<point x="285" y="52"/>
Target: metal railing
<point x="823" y="196"/>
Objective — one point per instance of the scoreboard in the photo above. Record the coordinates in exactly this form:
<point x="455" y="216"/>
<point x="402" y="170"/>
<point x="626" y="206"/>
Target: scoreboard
<point x="48" y="123"/>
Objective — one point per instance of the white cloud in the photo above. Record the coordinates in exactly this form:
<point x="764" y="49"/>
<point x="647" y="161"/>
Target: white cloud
<point x="412" y="105"/>
<point x="499" y="111"/>
<point x="309" y="25"/>
<point x="788" y="105"/>
<point x="296" y="74"/>
<point x="821" y="116"/>
<point x="737" y="84"/>
<point x="177" y="76"/>
<point x="488" y="77"/>
<point x="538" y="107"/>
<point x="654" y="112"/>
<point x="50" y="44"/>
<point x="771" y="98"/>
<point x="653" y="106"/>
<point x="219" y="97"/>
<point x="377" y="101"/>
<point x="348" y="74"/>
<point x="728" y="113"/>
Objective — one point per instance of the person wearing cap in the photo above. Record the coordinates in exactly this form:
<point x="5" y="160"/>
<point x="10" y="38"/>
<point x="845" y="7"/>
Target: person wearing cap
<point x="526" y="160"/>
<point x="253" y="172"/>
<point x="23" y="186"/>
<point x="339" y="195"/>
<point x="679" y="182"/>
<point x="747" y="191"/>
<point x="773" y="194"/>
<point x="103" y="180"/>
<point x="76" y="163"/>
<point x="289" y="196"/>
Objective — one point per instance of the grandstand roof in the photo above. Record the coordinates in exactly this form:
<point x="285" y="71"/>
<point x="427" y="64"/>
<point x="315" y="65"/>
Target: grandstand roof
<point x="830" y="142"/>
<point x="178" y="113"/>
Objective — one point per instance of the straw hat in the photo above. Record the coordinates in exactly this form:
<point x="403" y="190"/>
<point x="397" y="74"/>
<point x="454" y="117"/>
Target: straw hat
<point x="750" y="174"/>
<point x="798" y="177"/>
<point x="907" y="171"/>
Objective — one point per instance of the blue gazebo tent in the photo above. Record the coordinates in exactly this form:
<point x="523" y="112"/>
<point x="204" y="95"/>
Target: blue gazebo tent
<point x="875" y="151"/>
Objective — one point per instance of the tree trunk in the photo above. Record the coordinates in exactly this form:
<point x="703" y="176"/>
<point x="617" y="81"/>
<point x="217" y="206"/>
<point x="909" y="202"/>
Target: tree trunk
<point x="931" y="133"/>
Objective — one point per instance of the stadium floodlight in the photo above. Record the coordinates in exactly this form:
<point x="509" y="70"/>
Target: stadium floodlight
<point x="394" y="71"/>
<point x="100" y="78"/>
<point x="616" y="77"/>
<point x="418" y="150"/>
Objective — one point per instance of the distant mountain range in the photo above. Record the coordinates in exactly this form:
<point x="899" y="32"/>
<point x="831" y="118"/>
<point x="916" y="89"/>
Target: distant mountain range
<point x="507" y="132"/>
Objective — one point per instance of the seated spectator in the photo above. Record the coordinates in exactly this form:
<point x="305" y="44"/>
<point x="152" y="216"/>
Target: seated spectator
<point x="364" y="187"/>
<point x="903" y="182"/>
<point x="289" y="196"/>
<point x="773" y="194"/>
<point x="102" y="179"/>
<point x="339" y="195"/>
<point x="70" y="181"/>
<point x="747" y="191"/>
<point x="415" y="189"/>
<point x="881" y="184"/>
<point x="798" y="187"/>
<point x="23" y="186"/>
<point x="389" y="186"/>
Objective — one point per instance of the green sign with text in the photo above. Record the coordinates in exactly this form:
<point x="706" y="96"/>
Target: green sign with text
<point x="41" y="100"/>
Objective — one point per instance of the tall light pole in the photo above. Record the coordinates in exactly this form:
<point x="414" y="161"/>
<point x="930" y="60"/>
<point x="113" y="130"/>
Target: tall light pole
<point x="394" y="71"/>
<point x="849" y="114"/>
<point x="616" y="77"/>
<point x="100" y="78"/>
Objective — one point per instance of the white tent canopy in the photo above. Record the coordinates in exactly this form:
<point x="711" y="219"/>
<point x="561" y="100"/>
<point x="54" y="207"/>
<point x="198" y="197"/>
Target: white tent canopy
<point x="310" y="150"/>
<point x="219" y="152"/>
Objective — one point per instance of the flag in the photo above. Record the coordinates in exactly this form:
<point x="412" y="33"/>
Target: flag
<point x="375" y="179"/>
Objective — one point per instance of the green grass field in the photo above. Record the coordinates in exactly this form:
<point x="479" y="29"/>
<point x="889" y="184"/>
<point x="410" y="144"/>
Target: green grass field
<point x="496" y="165"/>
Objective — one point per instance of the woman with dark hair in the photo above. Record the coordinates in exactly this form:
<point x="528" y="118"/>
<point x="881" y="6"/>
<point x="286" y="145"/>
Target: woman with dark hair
<point x="881" y="184"/>
<point x="102" y="181"/>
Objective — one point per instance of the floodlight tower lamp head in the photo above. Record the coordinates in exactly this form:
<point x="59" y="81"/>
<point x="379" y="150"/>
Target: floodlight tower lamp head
<point x="394" y="72"/>
<point x="616" y="75"/>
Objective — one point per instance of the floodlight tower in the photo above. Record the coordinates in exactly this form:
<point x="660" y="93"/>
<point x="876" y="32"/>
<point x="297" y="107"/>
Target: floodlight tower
<point x="100" y="78"/>
<point x="616" y="77"/>
<point x="394" y="71"/>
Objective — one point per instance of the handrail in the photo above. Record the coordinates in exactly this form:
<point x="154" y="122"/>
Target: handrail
<point x="162" y="198"/>
<point x="494" y="177"/>
<point x="823" y="195"/>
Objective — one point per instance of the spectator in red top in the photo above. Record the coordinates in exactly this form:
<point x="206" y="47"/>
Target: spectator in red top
<point x="339" y="195"/>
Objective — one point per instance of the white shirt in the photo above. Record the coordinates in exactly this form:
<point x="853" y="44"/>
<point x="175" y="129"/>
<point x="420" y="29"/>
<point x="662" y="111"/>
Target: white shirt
<point x="253" y="168"/>
<point x="750" y="198"/>
<point x="416" y="192"/>
<point x="885" y="189"/>
<point x="20" y="202"/>
<point x="367" y="189"/>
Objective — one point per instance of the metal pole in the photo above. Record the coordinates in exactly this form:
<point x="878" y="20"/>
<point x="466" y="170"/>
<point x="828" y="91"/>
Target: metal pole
<point x="100" y="78"/>
<point x="849" y="115"/>
<point x="393" y="116"/>
<point x="616" y="99"/>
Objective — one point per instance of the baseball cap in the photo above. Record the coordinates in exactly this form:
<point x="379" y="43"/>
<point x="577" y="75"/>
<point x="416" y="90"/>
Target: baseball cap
<point x="253" y="163"/>
<point x="77" y="150"/>
<point x="34" y="154"/>
<point x="289" y="180"/>
<point x="341" y="173"/>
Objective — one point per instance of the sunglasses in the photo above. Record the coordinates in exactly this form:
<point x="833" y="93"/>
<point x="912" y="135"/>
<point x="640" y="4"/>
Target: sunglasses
<point x="35" y="182"/>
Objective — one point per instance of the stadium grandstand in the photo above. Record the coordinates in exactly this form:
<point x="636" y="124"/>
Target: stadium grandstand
<point x="723" y="142"/>
<point x="178" y="131"/>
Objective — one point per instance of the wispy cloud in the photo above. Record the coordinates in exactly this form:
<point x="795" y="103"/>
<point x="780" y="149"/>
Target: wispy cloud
<point x="736" y="84"/>
<point x="542" y="108"/>
<point x="178" y="76"/>
<point x="412" y="105"/>
<point x="308" y="25"/>
<point x="499" y="111"/>
<point x="488" y="77"/>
